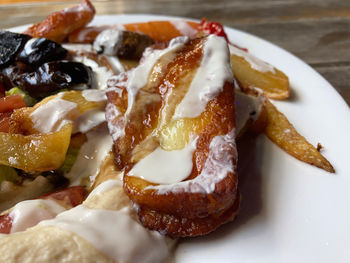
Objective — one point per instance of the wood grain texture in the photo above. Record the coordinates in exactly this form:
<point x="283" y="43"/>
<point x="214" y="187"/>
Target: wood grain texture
<point x="317" y="31"/>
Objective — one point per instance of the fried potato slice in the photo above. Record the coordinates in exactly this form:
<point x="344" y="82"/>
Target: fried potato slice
<point x="37" y="152"/>
<point x="282" y="133"/>
<point x="253" y="73"/>
<point x="212" y="184"/>
<point x="58" y="25"/>
<point x="185" y="202"/>
<point x="176" y="226"/>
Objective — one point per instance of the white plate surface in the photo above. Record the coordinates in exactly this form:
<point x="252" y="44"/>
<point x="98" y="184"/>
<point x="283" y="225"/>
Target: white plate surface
<point x="291" y="212"/>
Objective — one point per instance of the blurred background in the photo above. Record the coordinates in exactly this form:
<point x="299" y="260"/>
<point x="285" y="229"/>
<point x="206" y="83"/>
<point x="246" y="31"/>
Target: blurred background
<point x="317" y="31"/>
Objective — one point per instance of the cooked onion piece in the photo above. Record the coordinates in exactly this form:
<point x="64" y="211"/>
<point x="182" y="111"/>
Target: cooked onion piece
<point x="58" y="25"/>
<point x="282" y="132"/>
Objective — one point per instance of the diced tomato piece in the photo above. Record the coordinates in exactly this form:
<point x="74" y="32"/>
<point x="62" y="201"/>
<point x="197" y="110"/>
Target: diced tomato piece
<point x="212" y="28"/>
<point x="2" y="90"/>
<point x="5" y="224"/>
<point x="9" y="103"/>
<point x="5" y="121"/>
<point x="73" y="195"/>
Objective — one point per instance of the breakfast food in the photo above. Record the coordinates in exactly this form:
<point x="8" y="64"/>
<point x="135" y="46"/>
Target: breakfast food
<point x="138" y="128"/>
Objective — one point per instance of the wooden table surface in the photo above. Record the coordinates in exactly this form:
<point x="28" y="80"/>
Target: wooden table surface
<point x="317" y="31"/>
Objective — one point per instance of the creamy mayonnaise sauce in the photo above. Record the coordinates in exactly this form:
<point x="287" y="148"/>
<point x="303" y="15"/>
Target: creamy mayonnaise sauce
<point x="138" y="77"/>
<point x="78" y="47"/>
<point x="222" y="152"/>
<point x="106" y="42"/>
<point x="53" y="115"/>
<point x="28" y="46"/>
<point x="209" y="80"/>
<point x="101" y="73"/>
<point x="105" y="186"/>
<point x="115" y="233"/>
<point x="254" y="62"/>
<point x="28" y="213"/>
<point x="184" y="28"/>
<point x="116" y="131"/>
<point x="88" y="120"/>
<point x="94" y="95"/>
<point x="91" y="155"/>
<point x="165" y="167"/>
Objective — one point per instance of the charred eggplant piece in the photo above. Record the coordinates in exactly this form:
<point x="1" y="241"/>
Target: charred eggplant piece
<point x="10" y="45"/>
<point x="37" y="51"/>
<point x="54" y="76"/>
<point x="123" y="44"/>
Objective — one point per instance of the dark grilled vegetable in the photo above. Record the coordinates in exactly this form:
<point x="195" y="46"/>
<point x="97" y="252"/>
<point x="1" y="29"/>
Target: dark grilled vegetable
<point x="37" y="51"/>
<point x="10" y="45"/>
<point x="54" y="76"/>
<point x="123" y="44"/>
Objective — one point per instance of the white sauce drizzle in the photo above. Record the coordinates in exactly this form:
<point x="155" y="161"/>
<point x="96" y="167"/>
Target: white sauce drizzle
<point x="219" y="162"/>
<point x="112" y="113"/>
<point x="28" y="46"/>
<point x="94" y="95"/>
<point x="90" y="156"/>
<point x="254" y="62"/>
<point x="138" y="77"/>
<point x="83" y="33"/>
<point x="28" y="213"/>
<point x="106" y="41"/>
<point x="105" y="186"/>
<point x="166" y="167"/>
<point x="101" y="73"/>
<point x="115" y="233"/>
<point x="88" y="120"/>
<point x="184" y="28"/>
<point x="214" y="70"/>
<point x="115" y="63"/>
<point x="53" y="115"/>
<point x="78" y="47"/>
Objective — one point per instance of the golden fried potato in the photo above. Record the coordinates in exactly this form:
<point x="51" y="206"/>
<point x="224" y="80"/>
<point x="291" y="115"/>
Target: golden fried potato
<point x="272" y="82"/>
<point x="150" y="124"/>
<point x="177" y="226"/>
<point x="282" y="132"/>
<point x="37" y="152"/>
<point x="58" y="25"/>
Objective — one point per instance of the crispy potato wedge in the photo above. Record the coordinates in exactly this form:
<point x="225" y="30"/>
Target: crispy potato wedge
<point x="37" y="152"/>
<point x="58" y="25"/>
<point x="282" y="133"/>
<point x="248" y="71"/>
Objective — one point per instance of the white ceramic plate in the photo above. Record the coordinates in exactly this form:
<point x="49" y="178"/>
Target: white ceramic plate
<point x="291" y="211"/>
